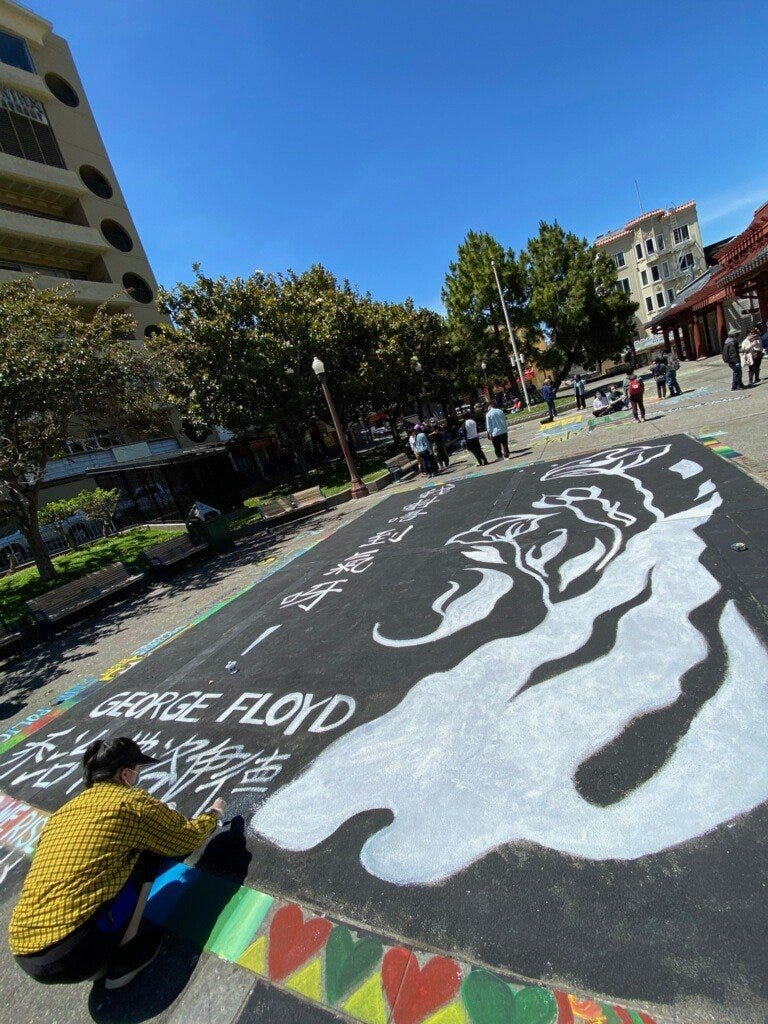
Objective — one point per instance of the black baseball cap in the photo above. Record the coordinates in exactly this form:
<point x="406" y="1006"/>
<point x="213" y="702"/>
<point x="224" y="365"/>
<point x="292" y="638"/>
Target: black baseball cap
<point x="105" y="757"/>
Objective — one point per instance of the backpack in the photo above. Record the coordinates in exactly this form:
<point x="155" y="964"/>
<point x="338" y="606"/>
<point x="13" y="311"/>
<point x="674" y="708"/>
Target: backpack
<point x="636" y="387"/>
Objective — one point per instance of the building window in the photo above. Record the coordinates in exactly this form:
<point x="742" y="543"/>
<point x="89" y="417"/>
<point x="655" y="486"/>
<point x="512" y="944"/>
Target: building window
<point x="116" y="235"/>
<point x="649" y="304"/>
<point x="25" y="130"/>
<point x="681" y="234"/>
<point x="649" y="246"/>
<point x="618" y="259"/>
<point x="623" y="285"/>
<point x="659" y="242"/>
<point x="655" y="273"/>
<point x="686" y="261"/>
<point x="671" y="294"/>
<point x="665" y="270"/>
<point x="14" y="51"/>
<point x="639" y="251"/>
<point x="644" y="276"/>
<point x="62" y="90"/>
<point x="96" y="182"/>
<point x="660" y="300"/>
<point x="137" y="288"/>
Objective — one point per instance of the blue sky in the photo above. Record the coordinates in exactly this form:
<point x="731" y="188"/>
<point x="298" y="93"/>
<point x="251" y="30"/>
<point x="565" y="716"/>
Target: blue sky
<point x="370" y="136"/>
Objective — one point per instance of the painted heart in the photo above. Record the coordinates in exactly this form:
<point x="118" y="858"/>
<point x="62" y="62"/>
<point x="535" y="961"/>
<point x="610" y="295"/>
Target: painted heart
<point x="535" y="1005"/>
<point x="487" y="999"/>
<point x="292" y="941"/>
<point x="421" y="990"/>
<point x="347" y="962"/>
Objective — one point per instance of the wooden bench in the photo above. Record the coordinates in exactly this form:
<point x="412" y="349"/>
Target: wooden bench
<point x="9" y="635"/>
<point x="71" y="598"/>
<point x="275" y="510"/>
<point x="310" y="500"/>
<point x="401" y="465"/>
<point x="171" y="552"/>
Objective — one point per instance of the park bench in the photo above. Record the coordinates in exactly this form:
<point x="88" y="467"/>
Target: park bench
<point x="9" y="635"/>
<point x="171" y="552"/>
<point x="276" y="511"/>
<point x="75" y="597"/>
<point x="400" y="466"/>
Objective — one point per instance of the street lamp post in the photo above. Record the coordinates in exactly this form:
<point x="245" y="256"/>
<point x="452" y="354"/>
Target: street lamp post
<point x="359" y="490"/>
<point x="484" y="367"/>
<point x="419" y="369"/>
<point x="511" y="334"/>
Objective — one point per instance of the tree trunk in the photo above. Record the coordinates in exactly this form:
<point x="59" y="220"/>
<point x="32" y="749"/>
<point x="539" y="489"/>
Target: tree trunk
<point x="31" y="530"/>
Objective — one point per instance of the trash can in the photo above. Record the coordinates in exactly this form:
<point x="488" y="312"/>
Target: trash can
<point x="214" y="532"/>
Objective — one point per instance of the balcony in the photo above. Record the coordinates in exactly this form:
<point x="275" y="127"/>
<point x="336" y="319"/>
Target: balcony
<point x="85" y="293"/>
<point x="28" y="183"/>
<point x="25" y="82"/>
<point x="33" y="239"/>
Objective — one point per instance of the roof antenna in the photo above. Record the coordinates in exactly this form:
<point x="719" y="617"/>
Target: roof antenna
<point x="639" y="200"/>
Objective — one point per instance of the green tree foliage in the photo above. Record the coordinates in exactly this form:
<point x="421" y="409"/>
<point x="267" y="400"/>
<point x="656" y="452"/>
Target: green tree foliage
<point x="100" y="506"/>
<point x="475" y="314"/>
<point x="573" y="295"/>
<point x="56" y="513"/>
<point x="61" y="369"/>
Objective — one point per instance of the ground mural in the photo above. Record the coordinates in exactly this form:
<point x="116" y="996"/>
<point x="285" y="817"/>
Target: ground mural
<point x="520" y="717"/>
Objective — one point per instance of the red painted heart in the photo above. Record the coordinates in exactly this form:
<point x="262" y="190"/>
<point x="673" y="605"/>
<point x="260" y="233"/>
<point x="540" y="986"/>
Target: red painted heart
<point x="292" y="941"/>
<point x="415" y="992"/>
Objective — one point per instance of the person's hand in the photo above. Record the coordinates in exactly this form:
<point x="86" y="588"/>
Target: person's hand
<point x="219" y="808"/>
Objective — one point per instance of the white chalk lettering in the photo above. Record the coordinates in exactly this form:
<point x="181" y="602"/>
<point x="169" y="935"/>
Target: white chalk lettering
<point x="321" y="722"/>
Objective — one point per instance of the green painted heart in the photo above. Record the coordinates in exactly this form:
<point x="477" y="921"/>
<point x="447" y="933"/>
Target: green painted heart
<point x="489" y="1000"/>
<point x="348" y="963"/>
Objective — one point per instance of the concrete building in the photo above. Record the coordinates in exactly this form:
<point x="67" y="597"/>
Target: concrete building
<point x="62" y="213"/>
<point x="656" y="255"/>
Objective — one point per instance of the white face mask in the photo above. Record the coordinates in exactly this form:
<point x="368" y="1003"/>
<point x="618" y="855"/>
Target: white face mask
<point x="130" y="785"/>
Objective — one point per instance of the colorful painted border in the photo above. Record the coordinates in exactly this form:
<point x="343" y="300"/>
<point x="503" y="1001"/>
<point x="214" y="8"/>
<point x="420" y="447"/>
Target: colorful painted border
<point x="329" y="963"/>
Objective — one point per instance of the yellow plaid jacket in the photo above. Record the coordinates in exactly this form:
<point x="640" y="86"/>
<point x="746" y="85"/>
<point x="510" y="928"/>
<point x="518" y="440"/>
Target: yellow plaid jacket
<point x="86" y="852"/>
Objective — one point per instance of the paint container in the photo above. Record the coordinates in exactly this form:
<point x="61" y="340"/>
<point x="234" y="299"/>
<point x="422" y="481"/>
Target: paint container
<point x="738" y="546"/>
<point x="232" y="668"/>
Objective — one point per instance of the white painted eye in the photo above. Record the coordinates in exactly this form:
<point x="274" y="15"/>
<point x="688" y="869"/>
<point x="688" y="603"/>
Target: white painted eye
<point x="485" y="554"/>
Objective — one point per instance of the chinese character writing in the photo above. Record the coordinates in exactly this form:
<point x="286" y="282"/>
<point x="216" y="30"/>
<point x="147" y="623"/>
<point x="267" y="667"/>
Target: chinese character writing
<point x="307" y="599"/>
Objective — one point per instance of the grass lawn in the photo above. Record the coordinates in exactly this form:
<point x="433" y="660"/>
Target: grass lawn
<point x="125" y="547"/>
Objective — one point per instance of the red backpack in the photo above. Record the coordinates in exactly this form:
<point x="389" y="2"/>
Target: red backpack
<point x="636" y="386"/>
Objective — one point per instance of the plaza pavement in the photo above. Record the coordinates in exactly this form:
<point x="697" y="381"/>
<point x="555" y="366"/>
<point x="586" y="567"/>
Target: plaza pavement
<point x="214" y="990"/>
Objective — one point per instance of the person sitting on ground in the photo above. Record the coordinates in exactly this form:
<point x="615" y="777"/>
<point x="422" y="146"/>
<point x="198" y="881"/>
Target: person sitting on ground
<point x="79" y="913"/>
<point x="600" y="404"/>
<point x="616" y="399"/>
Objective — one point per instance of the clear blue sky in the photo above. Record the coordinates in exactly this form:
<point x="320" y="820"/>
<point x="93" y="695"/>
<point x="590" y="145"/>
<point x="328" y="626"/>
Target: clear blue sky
<point x="370" y="135"/>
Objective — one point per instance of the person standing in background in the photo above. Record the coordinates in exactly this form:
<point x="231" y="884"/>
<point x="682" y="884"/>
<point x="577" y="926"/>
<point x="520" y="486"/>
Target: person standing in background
<point x="636" y="390"/>
<point x="439" y="446"/>
<point x="548" y="394"/>
<point x="498" y="431"/>
<point x="732" y="358"/>
<point x="473" y="441"/>
<point x="673" y="365"/>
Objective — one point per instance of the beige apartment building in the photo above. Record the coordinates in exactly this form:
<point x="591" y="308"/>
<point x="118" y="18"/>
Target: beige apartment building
<point x="656" y="254"/>
<point x="62" y="213"/>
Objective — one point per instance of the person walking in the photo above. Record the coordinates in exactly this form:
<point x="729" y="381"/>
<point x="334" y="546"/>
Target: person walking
<point x="659" y="371"/>
<point x="636" y="391"/>
<point x="473" y="441"/>
<point x="548" y="394"/>
<point x="732" y="358"/>
<point x="424" y="449"/>
<point x="498" y="431"/>
<point x="673" y="365"/>
<point x="80" y="909"/>
<point x="754" y="355"/>
<point x="439" y="447"/>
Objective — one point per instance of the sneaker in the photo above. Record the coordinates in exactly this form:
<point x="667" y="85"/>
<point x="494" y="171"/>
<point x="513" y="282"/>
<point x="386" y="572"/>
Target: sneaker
<point x="133" y="957"/>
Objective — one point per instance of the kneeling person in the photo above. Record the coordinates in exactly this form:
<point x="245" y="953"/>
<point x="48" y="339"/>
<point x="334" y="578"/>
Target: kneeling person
<point x="80" y="908"/>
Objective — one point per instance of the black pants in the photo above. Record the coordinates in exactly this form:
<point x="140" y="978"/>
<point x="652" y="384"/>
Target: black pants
<point x="581" y="401"/>
<point x="754" y="371"/>
<point x="473" y="446"/>
<point x="88" y="949"/>
<point x="501" y="445"/>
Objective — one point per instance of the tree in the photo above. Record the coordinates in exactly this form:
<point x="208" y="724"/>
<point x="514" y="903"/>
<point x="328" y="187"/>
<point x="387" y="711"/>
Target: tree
<point x="238" y="353"/>
<point x="475" y="314"/>
<point x="59" y="369"/>
<point x="99" y="505"/>
<point x="573" y="294"/>
<point x="56" y="513"/>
